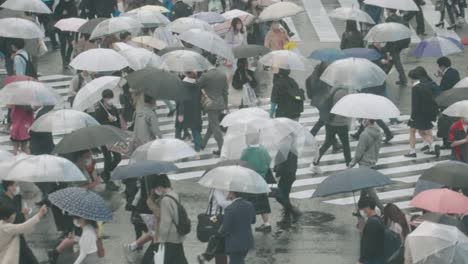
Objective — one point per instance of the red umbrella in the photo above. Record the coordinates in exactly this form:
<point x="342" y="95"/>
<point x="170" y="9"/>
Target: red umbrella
<point x="442" y="201"/>
<point x="16" y="78"/>
<point x="465" y="41"/>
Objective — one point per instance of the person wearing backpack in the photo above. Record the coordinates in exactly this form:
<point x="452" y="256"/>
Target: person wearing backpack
<point x="287" y="99"/>
<point x="22" y="63"/>
<point x="372" y="250"/>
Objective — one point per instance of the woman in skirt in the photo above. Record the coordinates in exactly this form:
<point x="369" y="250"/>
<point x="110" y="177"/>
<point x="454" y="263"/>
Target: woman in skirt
<point x="22" y="118"/>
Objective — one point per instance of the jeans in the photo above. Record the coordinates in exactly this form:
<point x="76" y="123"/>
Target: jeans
<point x="213" y="129"/>
<point x="196" y="137"/>
<point x="66" y="46"/>
<point x="398" y="65"/>
<point x="237" y="257"/>
<point x="111" y="160"/>
<point x="420" y="27"/>
<point x="331" y="132"/>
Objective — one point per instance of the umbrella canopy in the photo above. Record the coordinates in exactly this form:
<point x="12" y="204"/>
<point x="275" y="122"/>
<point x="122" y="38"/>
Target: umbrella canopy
<point x="442" y="201"/>
<point x="183" y="24"/>
<point x="244" y="116"/>
<point x="353" y="74"/>
<point x="436" y="243"/>
<point x="157" y="8"/>
<point x="44" y="168"/>
<point x="115" y="25"/>
<point x="248" y="51"/>
<point x="444" y="220"/>
<point x="451" y="174"/>
<point x="235" y="179"/>
<point x="121" y="46"/>
<point x="63" y="121"/>
<point x="5" y="155"/>
<point x="209" y="17"/>
<point x="351" y="180"/>
<point x="72" y="24"/>
<point x="363" y="53"/>
<point x="463" y="83"/>
<point x="167" y="149"/>
<point x="185" y="61"/>
<point x="158" y="84"/>
<point x="458" y="109"/>
<point x="285" y="59"/>
<point x="245" y="17"/>
<point x="91" y="93"/>
<point x="28" y="93"/>
<point x="142" y="168"/>
<point x="81" y="202"/>
<point x="90" y="137"/>
<point x="99" y="60"/>
<point x="403" y="5"/>
<point x="31" y="6"/>
<point x="422" y="185"/>
<point x="148" y="19"/>
<point x="208" y="41"/>
<point x="7" y="163"/>
<point x="452" y="96"/>
<point x="280" y="10"/>
<point x="328" y="55"/>
<point x="140" y="58"/>
<point x="19" y="28"/>
<point x="364" y="105"/>
<point x="147" y="41"/>
<point x="388" y="32"/>
<point x="436" y="47"/>
<point x="351" y="13"/>
<point x="88" y="27"/>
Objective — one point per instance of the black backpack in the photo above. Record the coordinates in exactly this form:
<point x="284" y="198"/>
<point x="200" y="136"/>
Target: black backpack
<point x="297" y="98"/>
<point x="30" y="69"/>
<point x="185" y="225"/>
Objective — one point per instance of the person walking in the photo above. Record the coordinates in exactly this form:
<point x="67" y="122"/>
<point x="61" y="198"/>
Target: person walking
<point x="146" y="126"/>
<point x="372" y="238"/>
<point x="458" y="137"/>
<point x="447" y="5"/>
<point x="87" y="241"/>
<point x="419" y="14"/>
<point x="449" y="75"/>
<point x="352" y="37"/>
<point x="396" y="47"/>
<point x="180" y="9"/>
<point x="22" y="60"/>
<point x="236" y="35"/>
<point x="244" y="76"/>
<point x="22" y="118"/>
<point x="65" y="9"/>
<point x="287" y="99"/>
<point x="276" y="38"/>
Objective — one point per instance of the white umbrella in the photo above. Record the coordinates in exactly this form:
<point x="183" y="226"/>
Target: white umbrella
<point x="63" y="121"/>
<point x="285" y="59"/>
<point x="156" y="8"/>
<point x="351" y="13"/>
<point x="5" y="155"/>
<point x="140" y="58"/>
<point x="235" y="179"/>
<point x="353" y="74"/>
<point x="280" y="10"/>
<point x="388" y="32"/>
<point x="437" y="243"/>
<point x="244" y="116"/>
<point x="463" y="83"/>
<point x="28" y="93"/>
<point x="20" y="28"/>
<point x="6" y="164"/>
<point x="224" y="27"/>
<point x="148" y="18"/>
<point x="99" y="60"/>
<point x="70" y="24"/>
<point x="184" y="61"/>
<point x="115" y="25"/>
<point x="404" y="5"/>
<point x="32" y="6"/>
<point x="458" y="109"/>
<point x="208" y="41"/>
<point x="121" y="46"/>
<point x="152" y="42"/>
<point x="167" y="149"/>
<point x="91" y="93"/>
<point x="299" y="142"/>
<point x="364" y="105"/>
<point x="44" y="168"/>
<point x="186" y="23"/>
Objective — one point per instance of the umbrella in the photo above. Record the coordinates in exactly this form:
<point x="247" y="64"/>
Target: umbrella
<point x="99" y="60"/>
<point x="363" y="53"/>
<point x="81" y="202"/>
<point x="442" y="201"/>
<point x="142" y="168"/>
<point x="444" y="220"/>
<point x="245" y="17"/>
<point x="121" y="46"/>
<point x="364" y="105"/>
<point x="244" y="116"/>
<point x="91" y="93"/>
<point x="140" y="58"/>
<point x="7" y="163"/>
<point x="208" y="41"/>
<point x="115" y="25"/>
<point x="88" y="27"/>
<point x="353" y="74"/>
<point x="458" y="109"/>
<point x="72" y="24"/>
<point x="185" y="61"/>
<point x="167" y="149"/>
<point x="452" y="96"/>
<point x="31" y="6"/>
<point x="89" y="138"/>
<point x="157" y="8"/>
<point x="351" y="180"/>
<point x="436" y="47"/>
<point x="227" y="162"/>
<point x="19" y="28"/>
<point x="327" y="55"/>
<point x="285" y="59"/>
<point x="63" y="121"/>
<point x="351" y="13"/>
<point x="17" y="78"/>
<point x="44" y="168"/>
<point x="451" y="174"/>
<point x="28" y="93"/>
<point x="403" y="5"/>
<point x="158" y="84"/>
<point x="248" y="51"/>
<point x="150" y="42"/>
<point x="422" y="185"/>
<point x="280" y="10"/>
<point x="436" y="243"/>
<point x="267" y="2"/>
<point x="5" y="155"/>
<point x="148" y="19"/>
<point x="388" y="32"/>
<point x="183" y="24"/>
<point x="209" y="17"/>
<point x="463" y="83"/>
<point x="235" y="179"/>
<point x="172" y="48"/>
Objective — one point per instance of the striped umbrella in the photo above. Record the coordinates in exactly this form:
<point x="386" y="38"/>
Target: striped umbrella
<point x="437" y="47"/>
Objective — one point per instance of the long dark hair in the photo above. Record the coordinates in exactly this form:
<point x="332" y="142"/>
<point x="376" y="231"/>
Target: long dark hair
<point x="234" y="23"/>
<point x="250" y="7"/>
<point x="393" y="213"/>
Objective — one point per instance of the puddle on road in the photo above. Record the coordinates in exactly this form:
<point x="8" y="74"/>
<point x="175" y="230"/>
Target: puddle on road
<point x="315" y="218"/>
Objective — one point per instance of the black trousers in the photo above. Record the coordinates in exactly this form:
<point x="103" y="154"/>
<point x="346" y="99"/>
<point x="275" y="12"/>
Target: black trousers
<point x="237" y="257"/>
<point x="26" y="254"/>
<point x="450" y="9"/>
<point x="396" y="59"/>
<point x="420" y="26"/>
<point x="66" y="46"/>
<point x="174" y="254"/>
<point x="331" y="132"/>
<point x="111" y="160"/>
<point x="284" y="189"/>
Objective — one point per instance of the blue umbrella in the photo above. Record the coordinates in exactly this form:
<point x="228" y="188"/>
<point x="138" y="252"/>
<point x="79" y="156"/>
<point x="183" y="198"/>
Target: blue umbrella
<point x="437" y="47"/>
<point x="327" y="55"/>
<point x="209" y="17"/>
<point x="81" y="202"/>
<point x="142" y="168"/>
<point x="363" y="53"/>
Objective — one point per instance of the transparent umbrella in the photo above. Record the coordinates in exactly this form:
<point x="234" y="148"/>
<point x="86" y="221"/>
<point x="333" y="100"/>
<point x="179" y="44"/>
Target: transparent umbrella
<point x="209" y="17"/>
<point x="157" y="8"/>
<point x="388" y="32"/>
<point x="184" y="61"/>
<point x="91" y="93"/>
<point x="208" y="41"/>
<point x="7" y="163"/>
<point x="20" y="28"/>
<point x="72" y="24"/>
<point x="463" y="83"/>
<point x="437" y="47"/>
<point x="285" y="59"/>
<point x="99" y="60"/>
<point x="458" y="109"/>
<point x="147" y="41"/>
<point x="148" y="18"/>
<point x="364" y="105"/>
<point x="403" y="5"/>
<point x="32" y="6"/>
<point x="5" y="155"/>
<point x="63" y="121"/>
<point x="223" y="28"/>
<point x="167" y="149"/>
<point x="28" y="93"/>
<point x="244" y="116"/>
<point x="140" y="58"/>
<point x="115" y="25"/>
<point x="351" y="13"/>
<point x="183" y="24"/>
<point x="280" y="10"/>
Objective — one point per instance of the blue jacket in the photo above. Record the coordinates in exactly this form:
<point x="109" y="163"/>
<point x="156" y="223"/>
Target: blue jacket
<point x="237" y="221"/>
<point x="449" y="79"/>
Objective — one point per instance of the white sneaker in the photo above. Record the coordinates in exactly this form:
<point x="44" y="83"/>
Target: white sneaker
<point x="315" y="169"/>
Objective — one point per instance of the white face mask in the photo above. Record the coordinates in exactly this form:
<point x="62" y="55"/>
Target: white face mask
<point x="158" y="192"/>
<point x="76" y="223"/>
<point x="17" y="190"/>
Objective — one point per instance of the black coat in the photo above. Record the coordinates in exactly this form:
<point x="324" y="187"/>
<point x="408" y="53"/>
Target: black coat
<point x="288" y="96"/>
<point x="372" y="240"/>
<point x="237" y="221"/>
<point x="181" y="9"/>
<point x="351" y="40"/>
<point x="423" y="106"/>
<point x="240" y="79"/>
<point x="449" y="79"/>
<point x="41" y="142"/>
<point x="317" y="90"/>
<point x="102" y="116"/>
<point x="65" y="10"/>
<point x="190" y="109"/>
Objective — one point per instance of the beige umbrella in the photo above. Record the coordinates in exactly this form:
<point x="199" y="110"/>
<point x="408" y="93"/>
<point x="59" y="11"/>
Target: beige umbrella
<point x="147" y="41"/>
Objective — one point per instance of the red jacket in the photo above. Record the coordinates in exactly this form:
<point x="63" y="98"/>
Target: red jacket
<point x="457" y="132"/>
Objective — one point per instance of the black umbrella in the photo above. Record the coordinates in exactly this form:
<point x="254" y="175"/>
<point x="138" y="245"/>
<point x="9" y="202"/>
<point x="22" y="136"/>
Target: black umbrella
<point x="452" y="96"/>
<point x="88" y="27"/>
<point x="452" y="174"/>
<point x="158" y="84"/>
<point x="89" y="138"/>
<point x="444" y="219"/>
<point x="248" y="51"/>
<point x="142" y="168"/>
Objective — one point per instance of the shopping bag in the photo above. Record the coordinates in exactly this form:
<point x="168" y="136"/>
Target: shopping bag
<point x="159" y="256"/>
<point x="248" y="96"/>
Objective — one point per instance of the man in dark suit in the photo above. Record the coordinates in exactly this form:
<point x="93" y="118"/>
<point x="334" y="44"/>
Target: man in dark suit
<point x="238" y="218"/>
<point x="420" y="26"/>
<point x="449" y="75"/>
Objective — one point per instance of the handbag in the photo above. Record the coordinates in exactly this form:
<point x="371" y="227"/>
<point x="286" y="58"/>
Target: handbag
<point x="160" y="254"/>
<point x="206" y="227"/>
<point x="205" y="100"/>
<point x="101" y="252"/>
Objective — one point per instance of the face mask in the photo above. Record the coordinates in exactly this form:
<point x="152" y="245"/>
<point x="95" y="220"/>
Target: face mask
<point x="76" y="223"/>
<point x="362" y="212"/>
<point x="17" y="190"/>
<point x="158" y="192"/>
<point x="89" y="162"/>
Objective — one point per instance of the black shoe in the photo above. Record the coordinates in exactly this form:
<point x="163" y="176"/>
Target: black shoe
<point x="111" y="186"/>
<point x="401" y="83"/>
<point x="296" y="215"/>
<point x="454" y="26"/>
<point x="395" y="122"/>
<point x="435" y="152"/>
<point x="446" y="146"/>
<point x="425" y="148"/>
<point x="388" y="138"/>
<point x="53" y="256"/>
<point x="217" y="152"/>
<point x="263" y="228"/>
<point x="171" y="113"/>
<point x="291" y="34"/>
<point x="440" y="24"/>
<point x="410" y="155"/>
<point x="354" y="136"/>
